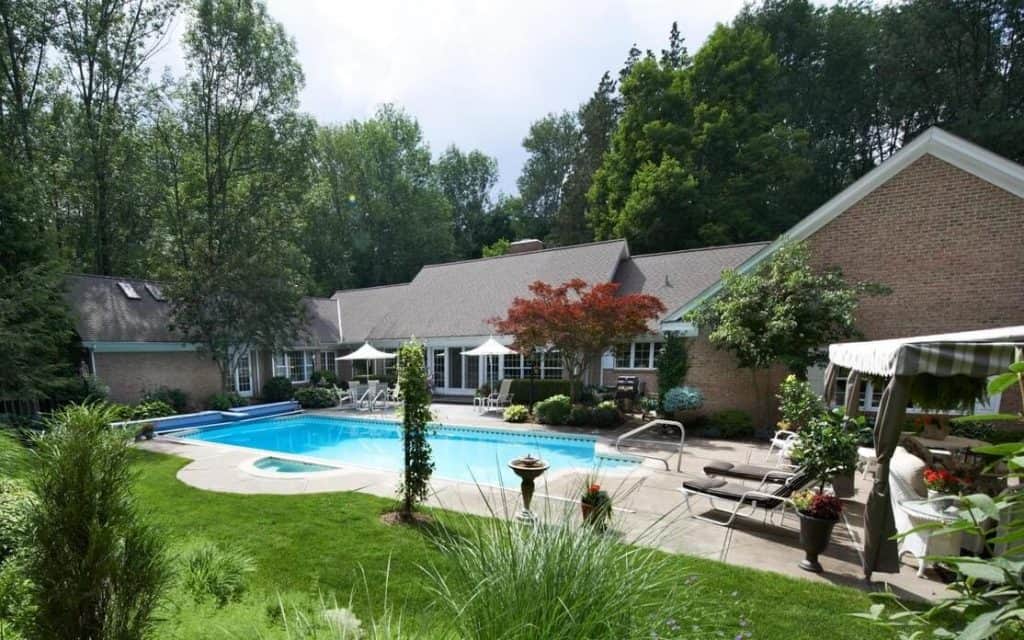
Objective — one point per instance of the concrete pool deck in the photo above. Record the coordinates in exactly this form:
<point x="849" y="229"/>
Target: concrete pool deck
<point x="649" y="506"/>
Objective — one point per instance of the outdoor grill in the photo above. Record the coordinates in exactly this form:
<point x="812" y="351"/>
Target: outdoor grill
<point x="627" y="388"/>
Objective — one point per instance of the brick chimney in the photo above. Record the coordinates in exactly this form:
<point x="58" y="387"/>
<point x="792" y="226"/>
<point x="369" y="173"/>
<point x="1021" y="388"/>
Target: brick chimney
<point x="525" y="246"/>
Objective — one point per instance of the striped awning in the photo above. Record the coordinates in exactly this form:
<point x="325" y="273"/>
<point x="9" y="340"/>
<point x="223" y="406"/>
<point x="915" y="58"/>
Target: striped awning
<point x="973" y="353"/>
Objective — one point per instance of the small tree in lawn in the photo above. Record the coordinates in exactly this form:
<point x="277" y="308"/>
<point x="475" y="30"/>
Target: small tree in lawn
<point x="580" y="320"/>
<point x="412" y="379"/>
<point x="782" y="312"/>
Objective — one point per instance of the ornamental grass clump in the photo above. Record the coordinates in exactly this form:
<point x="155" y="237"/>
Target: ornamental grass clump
<point x="505" y="581"/>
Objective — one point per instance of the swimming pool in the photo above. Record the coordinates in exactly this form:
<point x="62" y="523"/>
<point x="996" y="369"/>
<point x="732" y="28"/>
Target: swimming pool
<point x="459" y="453"/>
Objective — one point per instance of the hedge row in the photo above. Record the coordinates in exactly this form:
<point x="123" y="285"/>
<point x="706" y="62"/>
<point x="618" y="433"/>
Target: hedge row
<point x="542" y="390"/>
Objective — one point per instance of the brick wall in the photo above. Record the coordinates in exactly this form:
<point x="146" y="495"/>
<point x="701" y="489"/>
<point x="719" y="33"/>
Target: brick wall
<point x="948" y="244"/>
<point x="129" y="375"/>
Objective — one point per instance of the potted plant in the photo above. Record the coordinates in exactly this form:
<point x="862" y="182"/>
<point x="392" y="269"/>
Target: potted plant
<point x="818" y="512"/>
<point x="596" y="505"/>
<point x="146" y="432"/>
<point x="942" y="485"/>
<point x="827" y="450"/>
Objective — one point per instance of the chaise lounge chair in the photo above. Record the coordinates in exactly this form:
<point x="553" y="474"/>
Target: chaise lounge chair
<point x="742" y="496"/>
<point x="503" y="398"/>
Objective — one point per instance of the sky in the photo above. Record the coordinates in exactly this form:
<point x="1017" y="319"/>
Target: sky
<point x="475" y="74"/>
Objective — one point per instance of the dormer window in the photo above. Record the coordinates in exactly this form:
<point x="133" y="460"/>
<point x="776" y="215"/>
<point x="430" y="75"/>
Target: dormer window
<point x="128" y="290"/>
<point x="154" y="290"/>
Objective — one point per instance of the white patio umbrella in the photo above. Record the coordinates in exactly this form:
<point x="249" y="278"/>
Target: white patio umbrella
<point x="368" y="352"/>
<point x="490" y="348"/>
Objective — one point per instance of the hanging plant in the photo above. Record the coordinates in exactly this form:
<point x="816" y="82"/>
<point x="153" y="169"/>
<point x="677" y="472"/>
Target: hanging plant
<point x="947" y="393"/>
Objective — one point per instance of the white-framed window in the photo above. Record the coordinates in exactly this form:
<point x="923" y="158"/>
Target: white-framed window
<point x="387" y="367"/>
<point x="637" y="355"/>
<point x="327" y="361"/>
<point x="297" y="366"/>
<point x="551" y="365"/>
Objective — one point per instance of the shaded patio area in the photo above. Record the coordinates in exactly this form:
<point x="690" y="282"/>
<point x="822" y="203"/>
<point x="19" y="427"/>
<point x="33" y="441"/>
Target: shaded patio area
<point x="649" y="508"/>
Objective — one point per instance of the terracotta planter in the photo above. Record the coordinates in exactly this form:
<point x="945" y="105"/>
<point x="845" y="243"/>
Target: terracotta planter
<point x="815" y="534"/>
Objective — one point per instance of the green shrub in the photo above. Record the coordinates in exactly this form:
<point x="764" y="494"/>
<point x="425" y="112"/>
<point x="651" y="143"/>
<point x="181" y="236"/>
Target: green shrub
<point x="672" y="362"/>
<point x="828" y="446"/>
<point x="516" y="413"/>
<point x="798" y="403"/>
<point x="278" y="389"/>
<point x="993" y="433"/>
<point x="732" y="423"/>
<point x="682" y="399"/>
<point x="15" y="500"/>
<point x="554" y="410"/>
<point x="224" y="401"/>
<point x="542" y="390"/>
<point x="606" y="415"/>
<point x="323" y="378"/>
<point x="84" y="525"/>
<point x="579" y="416"/>
<point x="174" y="397"/>
<point x="150" y="410"/>
<point x="207" y="571"/>
<point x="315" y="397"/>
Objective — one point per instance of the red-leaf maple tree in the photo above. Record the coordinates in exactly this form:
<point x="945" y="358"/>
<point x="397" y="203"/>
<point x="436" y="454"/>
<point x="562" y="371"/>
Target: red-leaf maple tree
<point x="580" y="320"/>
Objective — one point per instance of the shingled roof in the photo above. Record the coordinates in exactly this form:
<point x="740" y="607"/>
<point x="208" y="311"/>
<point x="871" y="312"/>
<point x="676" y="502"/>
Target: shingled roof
<point x="103" y="312"/>
<point x="677" y="276"/>
<point x="458" y="298"/>
<point x="454" y="299"/>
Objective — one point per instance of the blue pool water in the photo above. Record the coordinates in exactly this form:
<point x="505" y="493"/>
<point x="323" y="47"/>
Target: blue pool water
<point x="459" y="454"/>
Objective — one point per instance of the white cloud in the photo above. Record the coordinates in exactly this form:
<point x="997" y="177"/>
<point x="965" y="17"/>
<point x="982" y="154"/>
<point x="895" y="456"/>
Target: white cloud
<point x="474" y="73"/>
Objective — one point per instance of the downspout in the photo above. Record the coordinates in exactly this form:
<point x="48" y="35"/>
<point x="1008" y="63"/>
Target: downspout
<point x="341" y="335"/>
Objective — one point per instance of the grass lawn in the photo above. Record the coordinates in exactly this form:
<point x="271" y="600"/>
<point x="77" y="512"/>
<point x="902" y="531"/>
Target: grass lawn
<point x="335" y="544"/>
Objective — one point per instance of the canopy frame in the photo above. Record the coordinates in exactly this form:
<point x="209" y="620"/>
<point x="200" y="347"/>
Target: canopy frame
<point x="978" y="354"/>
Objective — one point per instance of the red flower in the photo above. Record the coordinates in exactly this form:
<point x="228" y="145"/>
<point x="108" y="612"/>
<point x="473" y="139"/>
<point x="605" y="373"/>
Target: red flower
<point x="941" y="480"/>
<point x="594" y="488"/>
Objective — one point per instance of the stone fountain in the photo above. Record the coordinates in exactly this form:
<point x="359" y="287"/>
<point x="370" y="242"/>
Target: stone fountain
<point x="528" y="469"/>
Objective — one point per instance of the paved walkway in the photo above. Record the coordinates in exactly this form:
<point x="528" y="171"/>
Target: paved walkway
<point x="649" y="507"/>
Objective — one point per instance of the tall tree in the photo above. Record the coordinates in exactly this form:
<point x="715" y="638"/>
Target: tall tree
<point x="234" y="156"/>
<point x="26" y="30"/>
<point x="467" y="180"/>
<point x="597" y="120"/>
<point x="552" y="144"/>
<point x="35" y="326"/>
<point x="105" y="46"/>
<point x="384" y="194"/>
<point x="702" y="153"/>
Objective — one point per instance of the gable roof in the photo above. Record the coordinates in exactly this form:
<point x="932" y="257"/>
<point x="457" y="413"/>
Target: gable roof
<point x="457" y="299"/>
<point x="103" y="313"/>
<point x="675" y="277"/>
<point x="936" y="142"/>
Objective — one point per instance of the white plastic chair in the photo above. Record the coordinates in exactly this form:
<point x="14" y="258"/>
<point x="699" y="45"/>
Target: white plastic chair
<point x="503" y="398"/>
<point x="781" y="444"/>
<point x="344" y="397"/>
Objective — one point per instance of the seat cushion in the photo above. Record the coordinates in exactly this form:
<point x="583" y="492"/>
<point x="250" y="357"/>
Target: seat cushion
<point x="746" y="472"/>
<point x="718" y="488"/>
<point x="909" y="470"/>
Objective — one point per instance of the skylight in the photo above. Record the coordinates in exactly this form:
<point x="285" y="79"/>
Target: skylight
<point x="129" y="290"/>
<point x="154" y="290"/>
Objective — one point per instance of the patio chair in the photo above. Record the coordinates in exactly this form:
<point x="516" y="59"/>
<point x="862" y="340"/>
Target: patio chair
<point x="906" y="483"/>
<point x="344" y="397"/>
<point x="742" y="496"/>
<point x="503" y="398"/>
<point x="366" y="400"/>
<point x="781" y="444"/>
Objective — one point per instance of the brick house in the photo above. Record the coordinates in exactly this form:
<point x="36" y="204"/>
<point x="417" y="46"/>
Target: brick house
<point x="941" y="223"/>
